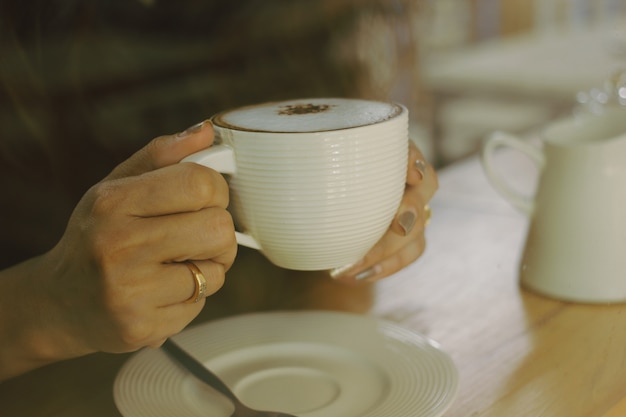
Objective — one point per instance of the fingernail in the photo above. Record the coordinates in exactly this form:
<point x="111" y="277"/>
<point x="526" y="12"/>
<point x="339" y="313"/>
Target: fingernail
<point x="427" y="214"/>
<point x="335" y="273"/>
<point x="407" y="221"/>
<point x="369" y="273"/>
<point x="191" y="130"/>
<point x="420" y="166"/>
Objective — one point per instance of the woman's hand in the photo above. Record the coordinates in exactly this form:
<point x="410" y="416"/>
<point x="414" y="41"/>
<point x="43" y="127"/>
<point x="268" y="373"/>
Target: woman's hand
<point x="404" y="241"/>
<point x="120" y="259"/>
<point x="115" y="282"/>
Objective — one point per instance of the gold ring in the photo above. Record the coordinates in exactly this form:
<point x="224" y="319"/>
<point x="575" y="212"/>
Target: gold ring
<point x="427" y="214"/>
<point x="200" y="291"/>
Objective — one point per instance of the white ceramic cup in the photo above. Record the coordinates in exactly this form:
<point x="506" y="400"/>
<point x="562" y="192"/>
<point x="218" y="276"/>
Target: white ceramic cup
<point x="576" y="244"/>
<point x="314" y="183"/>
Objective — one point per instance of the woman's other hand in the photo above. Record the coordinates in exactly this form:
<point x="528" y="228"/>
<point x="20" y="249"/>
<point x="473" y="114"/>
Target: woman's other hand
<point x="404" y="241"/>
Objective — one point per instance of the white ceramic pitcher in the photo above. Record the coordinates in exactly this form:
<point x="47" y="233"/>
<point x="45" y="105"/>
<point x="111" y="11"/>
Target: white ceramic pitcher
<point x="576" y="244"/>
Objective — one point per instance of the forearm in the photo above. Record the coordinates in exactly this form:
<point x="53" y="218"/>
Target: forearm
<point x="28" y="338"/>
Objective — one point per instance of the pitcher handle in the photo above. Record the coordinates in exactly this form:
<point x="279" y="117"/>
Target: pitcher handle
<point x="501" y="139"/>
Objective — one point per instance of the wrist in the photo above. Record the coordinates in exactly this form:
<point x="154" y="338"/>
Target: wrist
<point x="28" y="323"/>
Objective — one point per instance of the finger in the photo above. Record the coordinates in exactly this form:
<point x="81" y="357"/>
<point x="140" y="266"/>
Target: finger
<point x="162" y="323"/>
<point x="410" y="211"/>
<point x="421" y="173"/>
<point x="181" y="310"/>
<point x="389" y="256"/>
<point x="421" y="185"/>
<point x="185" y="281"/>
<point x="205" y="234"/>
<point x="174" y="283"/>
<point x="414" y="173"/>
<point x="391" y="243"/>
<point x="174" y="189"/>
<point x="157" y="306"/>
<point x="166" y="150"/>
<point x="389" y="246"/>
<point x="404" y="256"/>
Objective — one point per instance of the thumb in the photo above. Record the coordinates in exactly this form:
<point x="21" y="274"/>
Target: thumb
<point x="166" y="150"/>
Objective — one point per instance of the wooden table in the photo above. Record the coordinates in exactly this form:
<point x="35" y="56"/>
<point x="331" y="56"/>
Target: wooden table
<point x="518" y="354"/>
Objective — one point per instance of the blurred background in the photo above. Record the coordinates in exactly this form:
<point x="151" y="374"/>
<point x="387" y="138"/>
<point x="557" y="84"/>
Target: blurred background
<point x="511" y="65"/>
<point x="85" y="84"/>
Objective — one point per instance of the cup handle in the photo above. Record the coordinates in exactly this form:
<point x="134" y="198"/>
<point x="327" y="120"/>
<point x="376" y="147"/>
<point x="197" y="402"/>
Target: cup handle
<point x="222" y="159"/>
<point x="218" y="157"/>
<point x="502" y="139"/>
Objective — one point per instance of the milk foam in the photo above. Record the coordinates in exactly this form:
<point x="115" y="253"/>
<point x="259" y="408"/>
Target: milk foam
<point x="308" y="115"/>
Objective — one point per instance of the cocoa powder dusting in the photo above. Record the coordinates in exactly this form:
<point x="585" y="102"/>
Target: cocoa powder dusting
<point x="309" y="108"/>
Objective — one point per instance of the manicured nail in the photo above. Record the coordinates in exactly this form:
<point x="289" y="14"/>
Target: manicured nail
<point x="407" y="221"/>
<point x="420" y="166"/>
<point x="369" y="273"/>
<point x="335" y="273"/>
<point x="191" y="130"/>
<point x="427" y="214"/>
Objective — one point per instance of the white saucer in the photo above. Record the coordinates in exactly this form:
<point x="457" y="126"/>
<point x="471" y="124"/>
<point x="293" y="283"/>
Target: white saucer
<point x="310" y="364"/>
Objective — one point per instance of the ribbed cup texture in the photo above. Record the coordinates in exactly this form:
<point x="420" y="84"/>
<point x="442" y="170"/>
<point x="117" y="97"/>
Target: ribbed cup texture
<point x="318" y="200"/>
